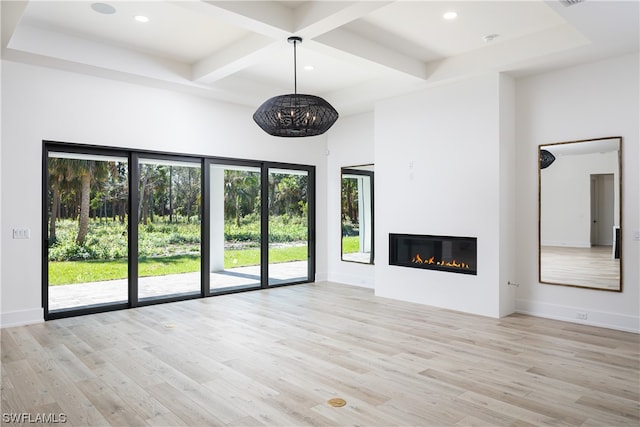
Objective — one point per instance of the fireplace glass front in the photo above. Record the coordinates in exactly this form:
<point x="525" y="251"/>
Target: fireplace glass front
<point x="444" y="253"/>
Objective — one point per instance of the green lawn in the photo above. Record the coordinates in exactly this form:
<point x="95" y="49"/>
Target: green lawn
<point x="350" y="244"/>
<point x="68" y="272"/>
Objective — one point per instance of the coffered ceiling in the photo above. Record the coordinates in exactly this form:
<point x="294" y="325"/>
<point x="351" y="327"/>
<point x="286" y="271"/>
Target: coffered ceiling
<point x="360" y="51"/>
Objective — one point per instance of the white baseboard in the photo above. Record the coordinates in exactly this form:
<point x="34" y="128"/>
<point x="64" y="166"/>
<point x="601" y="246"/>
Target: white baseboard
<point x="21" y="317"/>
<point x="601" y="319"/>
<point x="565" y="244"/>
<point x="353" y="280"/>
<point x="321" y="277"/>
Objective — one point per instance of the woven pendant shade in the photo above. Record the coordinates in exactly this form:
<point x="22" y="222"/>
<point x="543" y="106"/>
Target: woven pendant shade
<point x="546" y="158"/>
<point x="295" y="115"/>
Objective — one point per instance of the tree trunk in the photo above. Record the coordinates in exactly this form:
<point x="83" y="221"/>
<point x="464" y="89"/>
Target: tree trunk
<point x="83" y="223"/>
<point x="54" y="213"/>
<point x="150" y="206"/>
<point x="145" y="213"/>
<point x="238" y="210"/>
<point x="141" y="198"/>
<point x="122" y="211"/>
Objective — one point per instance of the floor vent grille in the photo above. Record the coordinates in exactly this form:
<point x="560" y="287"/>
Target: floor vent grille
<point x="567" y="3"/>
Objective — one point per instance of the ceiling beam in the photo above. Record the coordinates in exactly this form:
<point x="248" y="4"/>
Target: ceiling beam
<point x="66" y="47"/>
<point x="268" y="24"/>
<point x="239" y="55"/>
<point x="263" y="17"/>
<point x="340" y="40"/>
<point x="315" y="18"/>
<point x="11" y="12"/>
<point x="506" y="56"/>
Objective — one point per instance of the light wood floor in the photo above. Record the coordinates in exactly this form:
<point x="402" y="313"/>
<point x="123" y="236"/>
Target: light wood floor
<point x="275" y="357"/>
<point x="589" y="267"/>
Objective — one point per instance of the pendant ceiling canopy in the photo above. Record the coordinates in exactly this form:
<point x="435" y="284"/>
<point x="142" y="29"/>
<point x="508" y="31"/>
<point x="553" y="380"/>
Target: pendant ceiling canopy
<point x="295" y="115"/>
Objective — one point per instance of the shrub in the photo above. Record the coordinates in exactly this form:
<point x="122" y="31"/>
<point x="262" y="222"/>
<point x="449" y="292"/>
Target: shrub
<point x="107" y="239"/>
<point x="69" y="251"/>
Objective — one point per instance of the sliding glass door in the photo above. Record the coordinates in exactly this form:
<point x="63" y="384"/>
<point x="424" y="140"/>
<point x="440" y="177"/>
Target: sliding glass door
<point x="86" y="199"/>
<point x="169" y="218"/>
<point x="289" y="226"/>
<point x="125" y="228"/>
<point x="234" y="227"/>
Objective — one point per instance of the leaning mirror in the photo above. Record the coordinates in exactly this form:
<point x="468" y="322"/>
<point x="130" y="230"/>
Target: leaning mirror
<point x="357" y="213"/>
<point x="579" y="204"/>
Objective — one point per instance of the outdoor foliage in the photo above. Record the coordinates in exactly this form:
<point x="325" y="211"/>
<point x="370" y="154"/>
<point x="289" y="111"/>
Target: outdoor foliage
<point x="349" y="206"/>
<point x="89" y="213"/>
<point x="350" y="244"/>
<point x="107" y="239"/>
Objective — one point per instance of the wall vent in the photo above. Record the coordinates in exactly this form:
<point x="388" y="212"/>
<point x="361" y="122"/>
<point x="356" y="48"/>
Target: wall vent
<point x="567" y="3"/>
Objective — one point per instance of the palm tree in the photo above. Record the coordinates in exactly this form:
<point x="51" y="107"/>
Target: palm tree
<point x="153" y="182"/>
<point x="86" y="171"/>
<point x="117" y="189"/>
<point x="241" y="191"/>
<point x="58" y="170"/>
<point x="55" y="206"/>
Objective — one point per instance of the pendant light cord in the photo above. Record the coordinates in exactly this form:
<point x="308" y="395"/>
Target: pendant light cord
<point x="295" y="75"/>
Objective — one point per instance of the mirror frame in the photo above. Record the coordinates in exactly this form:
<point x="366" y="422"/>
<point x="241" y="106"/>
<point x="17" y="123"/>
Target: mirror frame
<point x="364" y="170"/>
<point x="548" y="158"/>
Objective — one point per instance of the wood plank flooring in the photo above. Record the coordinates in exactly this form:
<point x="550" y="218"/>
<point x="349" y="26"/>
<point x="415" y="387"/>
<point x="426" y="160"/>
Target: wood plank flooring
<point x="592" y="267"/>
<point x="275" y="357"/>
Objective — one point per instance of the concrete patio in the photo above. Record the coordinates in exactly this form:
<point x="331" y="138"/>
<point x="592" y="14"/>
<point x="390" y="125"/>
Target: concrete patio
<point x="92" y="293"/>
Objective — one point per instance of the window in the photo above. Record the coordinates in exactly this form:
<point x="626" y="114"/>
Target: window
<point x="127" y="228"/>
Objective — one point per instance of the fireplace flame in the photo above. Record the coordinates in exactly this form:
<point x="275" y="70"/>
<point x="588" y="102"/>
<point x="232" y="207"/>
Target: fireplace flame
<point x="417" y="259"/>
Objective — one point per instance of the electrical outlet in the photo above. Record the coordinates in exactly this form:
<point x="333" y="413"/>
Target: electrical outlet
<point x="21" y="233"/>
<point x="636" y="235"/>
<point x="581" y="315"/>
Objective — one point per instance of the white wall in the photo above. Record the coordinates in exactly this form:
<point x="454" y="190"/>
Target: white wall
<point x="350" y="143"/>
<point x="438" y="171"/>
<point x="444" y="165"/>
<point x="565" y="202"/>
<point x="507" y="219"/>
<point x="41" y="103"/>
<point x="588" y="101"/>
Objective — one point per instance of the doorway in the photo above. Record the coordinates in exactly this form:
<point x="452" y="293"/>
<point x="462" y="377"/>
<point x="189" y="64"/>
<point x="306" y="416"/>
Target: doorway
<point x="130" y="228"/>
<point x="602" y="209"/>
<point x="289" y="231"/>
<point x="86" y="199"/>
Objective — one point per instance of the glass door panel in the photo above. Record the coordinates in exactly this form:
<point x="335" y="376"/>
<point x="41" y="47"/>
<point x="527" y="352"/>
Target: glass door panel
<point x="288" y="226"/>
<point x="87" y="251"/>
<point x="169" y="221"/>
<point x="356" y="216"/>
<point x="235" y="227"/>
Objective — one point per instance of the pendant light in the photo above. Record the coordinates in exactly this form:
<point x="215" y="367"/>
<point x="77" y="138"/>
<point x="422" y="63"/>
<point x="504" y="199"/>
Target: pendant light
<point x="295" y="115"/>
<point x="546" y="158"/>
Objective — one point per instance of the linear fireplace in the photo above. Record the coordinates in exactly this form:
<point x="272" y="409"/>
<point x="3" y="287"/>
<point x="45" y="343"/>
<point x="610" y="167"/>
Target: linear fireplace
<point x="444" y="253"/>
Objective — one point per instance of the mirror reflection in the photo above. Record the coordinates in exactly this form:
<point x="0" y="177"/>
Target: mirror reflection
<point x="357" y="213"/>
<point x="579" y="213"/>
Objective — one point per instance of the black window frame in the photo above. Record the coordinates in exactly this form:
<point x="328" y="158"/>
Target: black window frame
<point x="133" y="156"/>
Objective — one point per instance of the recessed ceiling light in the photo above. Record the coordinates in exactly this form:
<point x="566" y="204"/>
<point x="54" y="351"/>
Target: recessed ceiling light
<point x="450" y="15"/>
<point x="141" y="18"/>
<point x="308" y="67"/>
<point x="105" y="9"/>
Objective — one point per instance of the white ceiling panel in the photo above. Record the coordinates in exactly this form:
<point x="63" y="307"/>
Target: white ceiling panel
<point x="424" y="27"/>
<point x="173" y="31"/>
<point x="361" y="51"/>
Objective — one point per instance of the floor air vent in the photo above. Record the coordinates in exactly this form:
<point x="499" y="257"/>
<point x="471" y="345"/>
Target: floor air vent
<point x="567" y="3"/>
